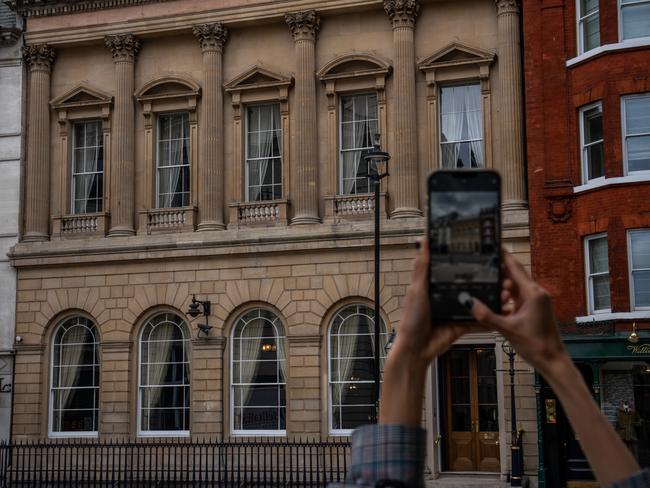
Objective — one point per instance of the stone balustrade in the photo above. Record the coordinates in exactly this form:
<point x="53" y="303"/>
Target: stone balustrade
<point x="246" y="214"/>
<point x="361" y="206"/>
<point x="161" y="220"/>
<point x="79" y="225"/>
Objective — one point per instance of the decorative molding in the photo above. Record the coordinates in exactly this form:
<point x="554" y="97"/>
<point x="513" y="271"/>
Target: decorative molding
<point x="358" y="64"/>
<point x="41" y="8"/>
<point x="9" y="36"/>
<point x="258" y="77"/>
<point x="303" y="25"/>
<point x="304" y="339"/>
<point x="119" y="346"/>
<point x="507" y="6"/>
<point x="82" y="95"/>
<point x="402" y="13"/>
<point x="458" y="54"/>
<point x="39" y="56"/>
<point x="124" y="47"/>
<point x="559" y="209"/>
<point x="212" y="37"/>
<point x="189" y="87"/>
<point x="29" y="348"/>
<point x="218" y="342"/>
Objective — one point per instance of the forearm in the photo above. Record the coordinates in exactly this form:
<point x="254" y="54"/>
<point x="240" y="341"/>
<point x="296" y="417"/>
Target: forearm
<point x="609" y="458"/>
<point x="403" y="388"/>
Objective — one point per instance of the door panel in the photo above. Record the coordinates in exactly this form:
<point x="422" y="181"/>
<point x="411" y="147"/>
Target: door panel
<point x="471" y="409"/>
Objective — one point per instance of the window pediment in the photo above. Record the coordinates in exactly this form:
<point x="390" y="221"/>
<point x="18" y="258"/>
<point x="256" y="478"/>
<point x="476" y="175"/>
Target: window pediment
<point x="169" y="86"/>
<point x="457" y="54"/>
<point x="258" y="77"/>
<point x="354" y="65"/>
<point x="82" y="95"/>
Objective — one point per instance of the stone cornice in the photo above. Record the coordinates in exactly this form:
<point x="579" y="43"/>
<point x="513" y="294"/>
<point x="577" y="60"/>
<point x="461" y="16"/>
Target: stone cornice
<point x="212" y="37"/>
<point x="402" y="13"/>
<point x="507" y="6"/>
<point x="39" y="57"/>
<point x="305" y="340"/>
<point x="124" y="47"/>
<point x="41" y="8"/>
<point x="303" y="25"/>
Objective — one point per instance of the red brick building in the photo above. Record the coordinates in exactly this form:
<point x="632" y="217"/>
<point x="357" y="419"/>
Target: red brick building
<point x="587" y="80"/>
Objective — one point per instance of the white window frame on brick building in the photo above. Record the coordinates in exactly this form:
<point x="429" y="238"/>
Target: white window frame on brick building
<point x="87" y="168"/>
<point x="582" y="20"/>
<point x="68" y="371"/>
<point x="148" y="384"/>
<point x="628" y="10"/>
<point x="269" y="164"/>
<point x="587" y="146"/>
<point x="643" y="133"/>
<point x="176" y="166"/>
<point x="589" y="274"/>
<point x="269" y="344"/>
<point x="636" y="268"/>
<point x="344" y="318"/>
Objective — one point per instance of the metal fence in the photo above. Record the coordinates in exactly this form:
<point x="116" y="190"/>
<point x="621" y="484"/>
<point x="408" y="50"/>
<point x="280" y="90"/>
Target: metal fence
<point x="176" y="463"/>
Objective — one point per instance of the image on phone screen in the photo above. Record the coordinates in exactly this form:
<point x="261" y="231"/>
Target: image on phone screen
<point x="465" y="250"/>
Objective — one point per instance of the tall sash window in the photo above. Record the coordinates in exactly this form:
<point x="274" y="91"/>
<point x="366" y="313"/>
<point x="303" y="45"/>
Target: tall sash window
<point x="87" y="167"/>
<point x="173" y="161"/>
<point x="461" y="127"/>
<point x="263" y="153"/>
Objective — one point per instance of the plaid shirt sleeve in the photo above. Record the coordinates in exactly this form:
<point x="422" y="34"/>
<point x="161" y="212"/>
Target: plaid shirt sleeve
<point x="640" y="480"/>
<point x="387" y="456"/>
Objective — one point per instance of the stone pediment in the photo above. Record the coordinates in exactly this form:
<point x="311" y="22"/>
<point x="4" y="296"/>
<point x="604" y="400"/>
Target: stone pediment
<point x="82" y="95"/>
<point x="353" y="65"/>
<point x="169" y="86"/>
<point x="456" y="54"/>
<point x="257" y="77"/>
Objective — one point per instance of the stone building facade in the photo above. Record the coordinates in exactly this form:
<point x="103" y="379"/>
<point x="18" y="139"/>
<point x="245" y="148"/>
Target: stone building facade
<point x="11" y="125"/>
<point x="183" y="100"/>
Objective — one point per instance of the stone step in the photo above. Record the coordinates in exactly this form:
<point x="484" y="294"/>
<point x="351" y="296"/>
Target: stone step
<point x="464" y="480"/>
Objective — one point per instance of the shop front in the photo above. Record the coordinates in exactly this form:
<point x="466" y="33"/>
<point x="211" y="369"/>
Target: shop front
<point x="617" y="372"/>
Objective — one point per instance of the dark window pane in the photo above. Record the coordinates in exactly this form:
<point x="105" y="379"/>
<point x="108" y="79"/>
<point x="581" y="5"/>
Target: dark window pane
<point x="165" y="397"/>
<point x="74" y="421"/>
<point x="460" y="390"/>
<point x="461" y="420"/>
<point x="166" y="419"/>
<point x="596" y="165"/>
<point x="487" y="418"/>
<point x="485" y="362"/>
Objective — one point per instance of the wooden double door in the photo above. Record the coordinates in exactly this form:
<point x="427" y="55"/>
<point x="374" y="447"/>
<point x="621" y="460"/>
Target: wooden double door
<point x="470" y="403"/>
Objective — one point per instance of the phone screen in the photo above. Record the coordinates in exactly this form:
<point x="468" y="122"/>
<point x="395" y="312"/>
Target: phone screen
<point x="465" y="248"/>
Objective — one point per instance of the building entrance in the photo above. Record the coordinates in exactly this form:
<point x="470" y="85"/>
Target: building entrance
<point x="469" y="409"/>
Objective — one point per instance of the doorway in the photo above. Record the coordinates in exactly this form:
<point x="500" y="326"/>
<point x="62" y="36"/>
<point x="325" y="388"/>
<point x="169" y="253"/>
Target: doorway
<point x="469" y="408"/>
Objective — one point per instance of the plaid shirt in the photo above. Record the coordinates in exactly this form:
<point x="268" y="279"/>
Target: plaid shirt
<point x="393" y="456"/>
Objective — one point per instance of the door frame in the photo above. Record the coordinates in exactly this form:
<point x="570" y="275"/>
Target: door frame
<point x="434" y="404"/>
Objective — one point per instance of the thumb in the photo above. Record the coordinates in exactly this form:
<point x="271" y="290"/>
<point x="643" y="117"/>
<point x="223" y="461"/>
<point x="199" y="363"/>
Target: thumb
<point x="486" y="317"/>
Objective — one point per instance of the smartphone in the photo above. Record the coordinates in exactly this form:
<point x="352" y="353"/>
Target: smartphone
<point x="464" y="234"/>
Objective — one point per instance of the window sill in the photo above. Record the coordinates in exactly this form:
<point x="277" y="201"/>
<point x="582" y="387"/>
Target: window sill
<point x="640" y="177"/>
<point x="258" y="433"/>
<point x="72" y="435"/>
<point x="262" y="213"/>
<point x="164" y="434"/>
<point x="165" y="220"/>
<point x="599" y="317"/>
<point x="607" y="48"/>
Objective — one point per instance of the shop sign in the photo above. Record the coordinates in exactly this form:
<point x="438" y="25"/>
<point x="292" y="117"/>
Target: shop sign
<point x="601" y="348"/>
<point x="639" y="348"/>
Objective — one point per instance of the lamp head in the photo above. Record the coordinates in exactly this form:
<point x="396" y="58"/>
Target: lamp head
<point x="633" y="338"/>
<point x="193" y="311"/>
<point x="377" y="159"/>
<point x="205" y="328"/>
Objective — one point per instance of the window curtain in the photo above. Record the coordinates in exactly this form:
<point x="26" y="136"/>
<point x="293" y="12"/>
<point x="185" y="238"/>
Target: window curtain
<point x="452" y="126"/>
<point x="72" y="346"/>
<point x="462" y="119"/>
<point x="474" y="125"/>
<point x="249" y="353"/>
<point x="170" y="173"/>
<point x="92" y="145"/>
<point x="352" y="159"/>
<point x="158" y="352"/>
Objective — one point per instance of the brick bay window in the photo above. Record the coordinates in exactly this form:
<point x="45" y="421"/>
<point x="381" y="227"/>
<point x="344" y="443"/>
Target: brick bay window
<point x="87" y="167"/>
<point x="591" y="142"/>
<point x="588" y="25"/>
<point x="74" y="385"/>
<point x="172" y="161"/>
<point x="351" y="351"/>
<point x="164" y="377"/>
<point x="461" y="127"/>
<point x="258" y="375"/>
<point x="263" y="153"/>
<point x="635" y="18"/>
<point x="639" y="265"/>
<point x="636" y="133"/>
<point x="359" y="123"/>
<point x="597" y="273"/>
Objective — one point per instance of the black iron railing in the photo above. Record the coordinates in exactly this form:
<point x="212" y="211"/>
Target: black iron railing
<point x="147" y="463"/>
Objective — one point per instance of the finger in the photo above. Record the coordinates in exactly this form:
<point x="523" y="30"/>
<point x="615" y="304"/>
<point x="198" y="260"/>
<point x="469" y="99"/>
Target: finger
<point x="518" y="274"/>
<point x="421" y="266"/>
<point x="487" y="317"/>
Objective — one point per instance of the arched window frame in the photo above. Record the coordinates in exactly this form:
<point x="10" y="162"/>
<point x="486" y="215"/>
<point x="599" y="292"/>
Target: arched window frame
<point x="181" y="324"/>
<point x="366" y="311"/>
<point x="69" y="323"/>
<point x="280" y="339"/>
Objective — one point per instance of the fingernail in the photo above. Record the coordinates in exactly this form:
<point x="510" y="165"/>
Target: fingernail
<point x="417" y="244"/>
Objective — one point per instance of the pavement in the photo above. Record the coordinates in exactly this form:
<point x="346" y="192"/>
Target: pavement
<point x="462" y="481"/>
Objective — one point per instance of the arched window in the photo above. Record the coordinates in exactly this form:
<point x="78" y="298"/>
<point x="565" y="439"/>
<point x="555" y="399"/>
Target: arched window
<point x="74" y="392"/>
<point x="258" y="375"/>
<point x="351" y="350"/>
<point x="164" y="377"/>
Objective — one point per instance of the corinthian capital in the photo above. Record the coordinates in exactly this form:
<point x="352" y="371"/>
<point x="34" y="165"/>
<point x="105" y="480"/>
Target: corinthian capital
<point x="212" y="37"/>
<point x="507" y="6"/>
<point x="39" y="56"/>
<point x="402" y="13"/>
<point x="303" y="25"/>
<point x="124" y="47"/>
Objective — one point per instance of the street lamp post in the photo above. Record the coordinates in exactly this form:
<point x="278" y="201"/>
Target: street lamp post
<point x="378" y="169"/>
<point x="516" y="472"/>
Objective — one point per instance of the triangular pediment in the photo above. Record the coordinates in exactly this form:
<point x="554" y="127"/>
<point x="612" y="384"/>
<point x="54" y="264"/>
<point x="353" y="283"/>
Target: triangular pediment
<point x="257" y="76"/>
<point x="82" y="94"/>
<point x="456" y="54"/>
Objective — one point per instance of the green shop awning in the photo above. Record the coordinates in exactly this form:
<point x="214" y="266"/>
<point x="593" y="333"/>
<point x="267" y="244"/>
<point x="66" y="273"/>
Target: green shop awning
<point x="614" y="347"/>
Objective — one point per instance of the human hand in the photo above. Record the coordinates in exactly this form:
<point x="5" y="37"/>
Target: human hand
<point x="527" y="322"/>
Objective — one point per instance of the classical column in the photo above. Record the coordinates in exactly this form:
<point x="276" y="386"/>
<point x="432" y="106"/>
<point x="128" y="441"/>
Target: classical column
<point x="511" y="162"/>
<point x="124" y="48"/>
<point x="212" y="38"/>
<point x="404" y="179"/>
<point x="39" y="58"/>
<point x="304" y="138"/>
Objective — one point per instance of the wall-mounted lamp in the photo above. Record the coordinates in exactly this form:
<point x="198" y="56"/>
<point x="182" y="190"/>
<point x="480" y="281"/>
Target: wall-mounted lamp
<point x="633" y="338"/>
<point x="195" y="310"/>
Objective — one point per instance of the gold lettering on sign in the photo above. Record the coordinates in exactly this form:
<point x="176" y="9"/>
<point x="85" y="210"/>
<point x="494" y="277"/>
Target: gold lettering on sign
<point x="639" y="349"/>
